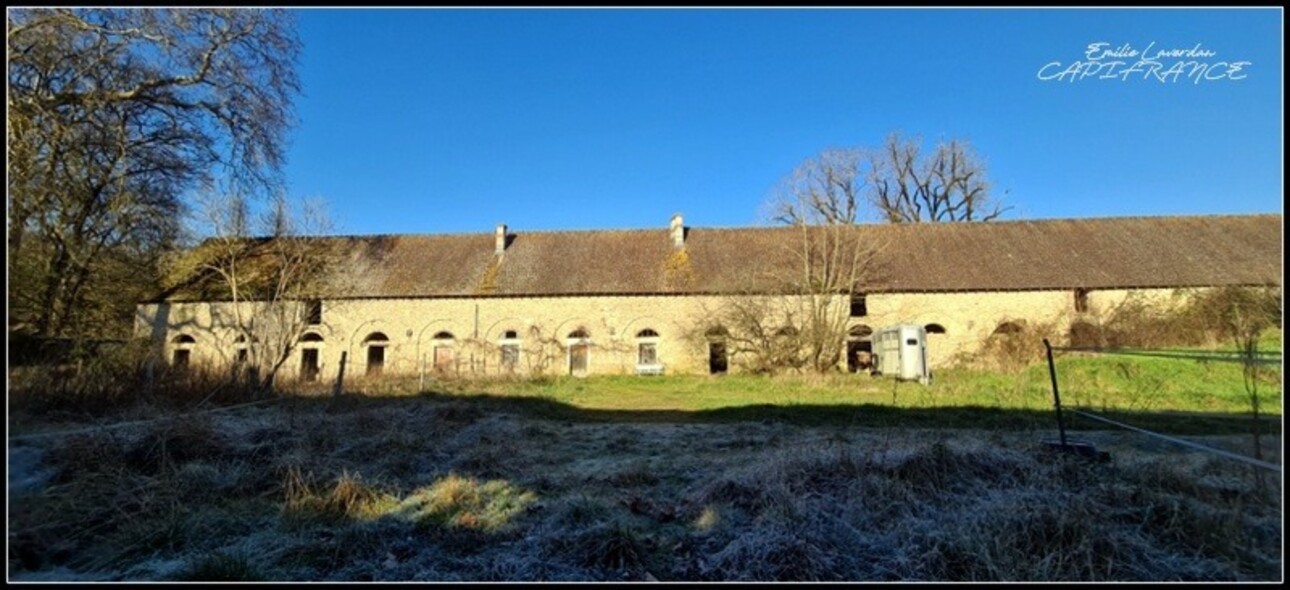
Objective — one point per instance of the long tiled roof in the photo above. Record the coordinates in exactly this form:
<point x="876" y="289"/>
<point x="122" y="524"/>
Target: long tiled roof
<point x="1093" y="253"/>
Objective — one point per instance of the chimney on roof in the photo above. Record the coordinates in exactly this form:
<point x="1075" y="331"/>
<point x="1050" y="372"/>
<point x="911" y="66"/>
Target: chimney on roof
<point x="678" y="232"/>
<point x="499" y="246"/>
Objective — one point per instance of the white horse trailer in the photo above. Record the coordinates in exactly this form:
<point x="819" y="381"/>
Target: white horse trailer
<point x="900" y="351"/>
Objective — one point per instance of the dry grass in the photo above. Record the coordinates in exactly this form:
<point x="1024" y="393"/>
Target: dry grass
<point x="461" y="502"/>
<point x="219" y="567"/>
<point x="435" y="489"/>
<point x="348" y="499"/>
<point x="116" y="380"/>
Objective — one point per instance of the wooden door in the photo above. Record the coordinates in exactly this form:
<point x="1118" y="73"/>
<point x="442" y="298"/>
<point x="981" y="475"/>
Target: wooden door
<point x="577" y="359"/>
<point x="443" y="358"/>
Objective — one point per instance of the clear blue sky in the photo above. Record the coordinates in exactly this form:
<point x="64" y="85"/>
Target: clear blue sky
<point x="431" y="121"/>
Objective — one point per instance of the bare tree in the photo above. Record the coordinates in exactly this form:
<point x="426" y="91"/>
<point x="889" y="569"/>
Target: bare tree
<point x="759" y="331"/>
<point x="114" y="113"/>
<point x="948" y="184"/>
<point x="795" y="315"/>
<point x="269" y="270"/>
<point x="1245" y="313"/>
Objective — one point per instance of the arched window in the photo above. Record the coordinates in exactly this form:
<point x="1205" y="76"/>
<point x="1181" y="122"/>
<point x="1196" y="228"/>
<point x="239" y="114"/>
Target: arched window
<point x="859" y="331"/>
<point x="510" y="335"/>
<point x="183" y="350"/>
<point x="444" y="335"/>
<point x="311" y="337"/>
<point x="1008" y="328"/>
<point x="579" y="333"/>
<point x="717" y="332"/>
<point x="934" y="329"/>
<point x="647" y="351"/>
<point x="242" y="348"/>
<point x="376" y="342"/>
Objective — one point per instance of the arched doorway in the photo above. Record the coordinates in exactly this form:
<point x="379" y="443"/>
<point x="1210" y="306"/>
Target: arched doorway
<point x="445" y="359"/>
<point x="860" y="349"/>
<point x="579" y="343"/>
<point x="310" y="356"/>
<point x="376" y="343"/>
<point x="718" y="363"/>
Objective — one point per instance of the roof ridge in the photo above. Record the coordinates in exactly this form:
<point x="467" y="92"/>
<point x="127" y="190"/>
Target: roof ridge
<point x="1057" y="253"/>
<point x="921" y="225"/>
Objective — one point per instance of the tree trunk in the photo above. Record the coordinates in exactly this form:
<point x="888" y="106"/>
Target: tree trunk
<point x="53" y="283"/>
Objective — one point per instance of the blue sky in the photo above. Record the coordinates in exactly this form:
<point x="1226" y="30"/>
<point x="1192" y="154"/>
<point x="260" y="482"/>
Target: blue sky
<point x="434" y="121"/>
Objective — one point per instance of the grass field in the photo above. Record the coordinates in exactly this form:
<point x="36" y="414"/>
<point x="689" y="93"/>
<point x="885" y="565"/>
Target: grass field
<point x="1167" y="394"/>
<point x="662" y="478"/>
<point x="432" y="488"/>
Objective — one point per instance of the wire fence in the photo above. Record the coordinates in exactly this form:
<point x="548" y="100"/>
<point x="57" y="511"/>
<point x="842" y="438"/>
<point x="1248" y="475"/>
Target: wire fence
<point x="1193" y="355"/>
<point x="1199" y="356"/>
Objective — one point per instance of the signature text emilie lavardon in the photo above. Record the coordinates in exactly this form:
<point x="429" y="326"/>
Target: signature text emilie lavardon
<point x="1125" y="63"/>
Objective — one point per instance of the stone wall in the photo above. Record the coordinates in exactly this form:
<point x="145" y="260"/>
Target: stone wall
<point x="543" y="325"/>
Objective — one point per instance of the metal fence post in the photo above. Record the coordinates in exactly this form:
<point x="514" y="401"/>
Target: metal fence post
<point x="1057" y="398"/>
<point x="340" y="375"/>
<point x="150" y="376"/>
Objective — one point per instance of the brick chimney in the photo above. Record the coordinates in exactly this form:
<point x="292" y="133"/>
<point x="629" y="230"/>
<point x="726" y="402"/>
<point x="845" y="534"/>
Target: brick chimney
<point x="499" y="246"/>
<point x="678" y="232"/>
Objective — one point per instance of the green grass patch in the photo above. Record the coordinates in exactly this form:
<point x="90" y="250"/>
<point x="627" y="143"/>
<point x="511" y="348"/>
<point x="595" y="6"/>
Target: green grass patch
<point x="1102" y="381"/>
<point x="1178" y="395"/>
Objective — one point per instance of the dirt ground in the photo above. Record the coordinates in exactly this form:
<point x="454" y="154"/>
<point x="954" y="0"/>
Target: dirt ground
<point x="422" y="489"/>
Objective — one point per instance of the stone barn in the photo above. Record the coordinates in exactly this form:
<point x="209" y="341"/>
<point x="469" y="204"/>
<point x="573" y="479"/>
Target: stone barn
<point x="642" y="301"/>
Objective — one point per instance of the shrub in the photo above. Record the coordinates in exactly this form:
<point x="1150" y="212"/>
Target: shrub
<point x="1205" y="317"/>
<point x="1012" y="351"/>
<point x="119" y="378"/>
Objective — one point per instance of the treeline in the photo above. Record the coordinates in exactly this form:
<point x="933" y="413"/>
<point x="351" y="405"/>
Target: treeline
<point x="115" y="115"/>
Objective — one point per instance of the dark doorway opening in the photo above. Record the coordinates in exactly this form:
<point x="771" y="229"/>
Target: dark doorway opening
<point x="375" y="360"/>
<point x="717" y="362"/>
<point x="309" y="364"/>
<point x="859" y="356"/>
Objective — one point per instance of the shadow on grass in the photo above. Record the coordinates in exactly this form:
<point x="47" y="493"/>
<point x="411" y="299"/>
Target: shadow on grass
<point x="858" y="415"/>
